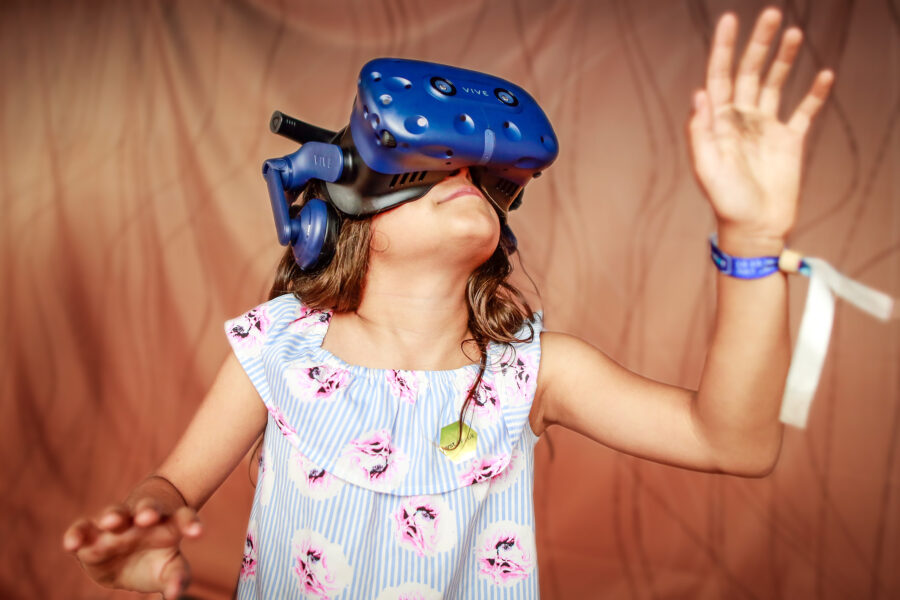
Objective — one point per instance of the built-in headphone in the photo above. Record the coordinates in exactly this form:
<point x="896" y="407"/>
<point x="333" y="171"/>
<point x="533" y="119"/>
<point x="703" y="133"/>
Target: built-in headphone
<point x="317" y="227"/>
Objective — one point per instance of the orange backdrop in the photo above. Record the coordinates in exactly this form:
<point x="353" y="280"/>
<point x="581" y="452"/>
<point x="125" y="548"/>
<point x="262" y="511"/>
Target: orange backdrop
<point x="134" y="221"/>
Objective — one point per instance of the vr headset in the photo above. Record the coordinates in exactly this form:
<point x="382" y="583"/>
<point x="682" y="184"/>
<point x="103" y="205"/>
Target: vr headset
<point x="412" y="124"/>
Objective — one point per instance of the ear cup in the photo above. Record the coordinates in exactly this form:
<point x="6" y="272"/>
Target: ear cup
<point x="319" y="225"/>
<point x="517" y="201"/>
<point x="508" y="240"/>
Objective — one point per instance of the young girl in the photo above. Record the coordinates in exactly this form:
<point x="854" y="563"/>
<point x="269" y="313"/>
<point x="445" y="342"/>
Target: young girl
<point x="405" y="384"/>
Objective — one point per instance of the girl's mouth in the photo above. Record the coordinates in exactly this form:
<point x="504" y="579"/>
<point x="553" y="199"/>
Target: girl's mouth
<point x="467" y="190"/>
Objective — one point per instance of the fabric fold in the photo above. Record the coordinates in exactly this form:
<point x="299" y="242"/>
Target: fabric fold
<point x="380" y="428"/>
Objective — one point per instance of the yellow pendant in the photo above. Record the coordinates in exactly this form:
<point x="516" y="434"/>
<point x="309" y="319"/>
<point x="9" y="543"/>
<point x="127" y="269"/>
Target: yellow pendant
<point x="467" y="442"/>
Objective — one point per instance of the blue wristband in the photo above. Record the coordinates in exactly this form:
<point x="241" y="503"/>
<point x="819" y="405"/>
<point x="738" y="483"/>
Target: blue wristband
<point x="742" y="268"/>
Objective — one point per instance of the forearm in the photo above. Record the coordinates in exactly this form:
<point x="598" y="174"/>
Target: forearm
<point x="737" y="405"/>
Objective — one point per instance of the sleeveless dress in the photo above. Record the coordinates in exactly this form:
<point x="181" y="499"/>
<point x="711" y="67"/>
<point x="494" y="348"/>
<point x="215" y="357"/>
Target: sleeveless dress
<point x="356" y="497"/>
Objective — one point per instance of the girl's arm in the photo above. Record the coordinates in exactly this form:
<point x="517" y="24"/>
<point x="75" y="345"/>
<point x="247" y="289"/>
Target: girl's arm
<point x="135" y="545"/>
<point x="228" y="422"/>
<point x="748" y="164"/>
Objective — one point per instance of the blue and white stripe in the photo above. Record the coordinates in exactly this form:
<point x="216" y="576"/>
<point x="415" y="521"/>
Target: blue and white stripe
<point x="353" y="528"/>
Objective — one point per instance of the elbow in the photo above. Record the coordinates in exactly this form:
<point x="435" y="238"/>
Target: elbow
<point x="752" y="461"/>
<point x="741" y="447"/>
<point x="756" y="470"/>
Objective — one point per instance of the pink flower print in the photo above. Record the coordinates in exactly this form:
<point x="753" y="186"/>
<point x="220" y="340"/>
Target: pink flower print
<point x="312" y="480"/>
<point x="248" y="562"/>
<point x="485" y="403"/>
<point x="404" y="385"/>
<point x="506" y="553"/>
<point x="425" y="525"/>
<point x="482" y="468"/>
<point x="286" y="430"/>
<point x="316" y="477"/>
<point x="248" y="332"/>
<point x="266" y="482"/>
<point x="319" y="382"/>
<point x="372" y="461"/>
<point x="507" y="477"/>
<point x="309" y="318"/>
<point x="320" y="567"/>
<point x="519" y="378"/>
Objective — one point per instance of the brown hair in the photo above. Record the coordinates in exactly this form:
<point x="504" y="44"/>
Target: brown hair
<point x="497" y="309"/>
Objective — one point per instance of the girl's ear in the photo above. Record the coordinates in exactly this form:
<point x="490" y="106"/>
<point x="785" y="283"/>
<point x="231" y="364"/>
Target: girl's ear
<point x="379" y="241"/>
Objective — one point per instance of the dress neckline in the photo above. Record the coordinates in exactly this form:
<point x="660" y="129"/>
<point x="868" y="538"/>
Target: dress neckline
<point x="336" y="360"/>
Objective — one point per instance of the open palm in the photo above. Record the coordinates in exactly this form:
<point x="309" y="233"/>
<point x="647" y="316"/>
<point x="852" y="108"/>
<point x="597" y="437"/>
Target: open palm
<point x="137" y="550"/>
<point x="747" y="160"/>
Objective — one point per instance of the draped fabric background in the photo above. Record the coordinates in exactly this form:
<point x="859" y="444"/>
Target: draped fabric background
<point x="134" y="221"/>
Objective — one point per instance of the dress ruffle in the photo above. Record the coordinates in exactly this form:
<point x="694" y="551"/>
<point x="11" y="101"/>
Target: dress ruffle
<point x="380" y="428"/>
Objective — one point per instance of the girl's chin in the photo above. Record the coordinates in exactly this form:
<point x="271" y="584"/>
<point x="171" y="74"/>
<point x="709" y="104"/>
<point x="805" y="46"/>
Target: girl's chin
<point x="452" y="254"/>
<point x="477" y="255"/>
<point x="459" y="242"/>
<point x="475" y="231"/>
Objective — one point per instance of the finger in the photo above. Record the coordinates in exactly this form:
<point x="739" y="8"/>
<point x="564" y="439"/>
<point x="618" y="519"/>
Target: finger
<point x="147" y="512"/>
<point x="746" y="85"/>
<point x="718" y="70"/>
<point x="187" y="522"/>
<point x="175" y="577"/>
<point x="161" y="535"/>
<point x="115" y="518"/>
<point x="701" y="123"/>
<point x="81" y="533"/>
<point x="812" y="103"/>
<point x="107" y="545"/>
<point x="770" y="96"/>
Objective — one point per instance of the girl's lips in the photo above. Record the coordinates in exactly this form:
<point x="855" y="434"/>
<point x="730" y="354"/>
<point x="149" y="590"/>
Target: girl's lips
<point x="467" y="190"/>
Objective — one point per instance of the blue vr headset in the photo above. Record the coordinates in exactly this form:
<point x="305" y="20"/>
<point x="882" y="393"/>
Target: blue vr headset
<point x="412" y="123"/>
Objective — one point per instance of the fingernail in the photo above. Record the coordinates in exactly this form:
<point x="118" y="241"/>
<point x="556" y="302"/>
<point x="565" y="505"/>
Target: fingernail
<point x="109" y="520"/>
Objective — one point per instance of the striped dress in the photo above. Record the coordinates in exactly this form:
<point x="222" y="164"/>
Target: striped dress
<point x="356" y="498"/>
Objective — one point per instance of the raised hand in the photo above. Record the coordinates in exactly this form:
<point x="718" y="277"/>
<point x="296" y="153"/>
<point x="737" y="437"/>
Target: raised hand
<point x="747" y="160"/>
<point x="137" y="549"/>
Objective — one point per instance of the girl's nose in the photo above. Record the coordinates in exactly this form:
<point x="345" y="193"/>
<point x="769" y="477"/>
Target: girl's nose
<point x="462" y="173"/>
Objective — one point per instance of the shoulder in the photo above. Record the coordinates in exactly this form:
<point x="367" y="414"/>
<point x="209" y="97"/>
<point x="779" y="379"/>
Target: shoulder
<point x="250" y="331"/>
<point x="529" y="334"/>
<point x="554" y="347"/>
<point x="524" y="353"/>
<point x="275" y="307"/>
<point x="570" y="368"/>
<point x="556" y="343"/>
<point x="564" y="357"/>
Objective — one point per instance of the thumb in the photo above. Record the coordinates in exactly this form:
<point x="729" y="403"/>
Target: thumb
<point x="701" y="134"/>
<point x="175" y="576"/>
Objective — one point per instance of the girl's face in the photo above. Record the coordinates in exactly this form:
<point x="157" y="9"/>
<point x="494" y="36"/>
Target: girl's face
<point x="453" y="223"/>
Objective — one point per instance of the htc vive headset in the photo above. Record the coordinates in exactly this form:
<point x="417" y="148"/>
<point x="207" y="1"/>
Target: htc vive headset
<point x="412" y="124"/>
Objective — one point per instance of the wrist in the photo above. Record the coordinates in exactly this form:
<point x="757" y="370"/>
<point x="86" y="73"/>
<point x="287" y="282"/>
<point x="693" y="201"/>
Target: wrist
<point x="163" y="492"/>
<point x="742" y="242"/>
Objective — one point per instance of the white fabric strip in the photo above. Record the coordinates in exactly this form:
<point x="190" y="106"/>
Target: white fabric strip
<point x="815" y="333"/>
